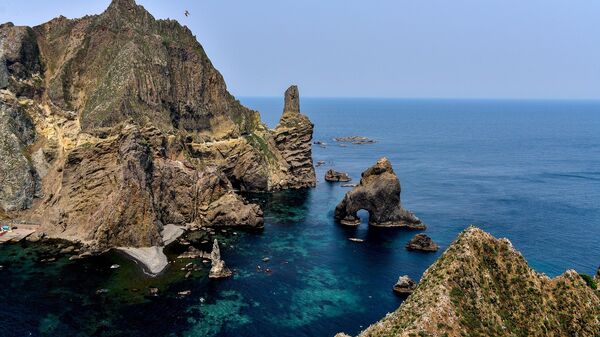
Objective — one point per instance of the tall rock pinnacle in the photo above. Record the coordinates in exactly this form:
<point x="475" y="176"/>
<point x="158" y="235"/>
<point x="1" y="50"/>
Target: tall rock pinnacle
<point x="293" y="137"/>
<point x="292" y="99"/>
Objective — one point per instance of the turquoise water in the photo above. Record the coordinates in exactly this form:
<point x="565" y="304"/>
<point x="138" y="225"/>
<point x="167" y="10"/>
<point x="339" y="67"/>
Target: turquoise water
<point x="529" y="171"/>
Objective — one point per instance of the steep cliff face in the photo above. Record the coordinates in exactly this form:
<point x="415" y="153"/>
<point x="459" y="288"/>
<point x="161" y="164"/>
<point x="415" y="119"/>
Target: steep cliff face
<point x="116" y="124"/>
<point x="125" y="65"/>
<point x="482" y="286"/>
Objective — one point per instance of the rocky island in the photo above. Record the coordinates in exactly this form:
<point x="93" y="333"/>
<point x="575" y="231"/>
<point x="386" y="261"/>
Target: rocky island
<point x="378" y="193"/>
<point x="113" y="126"/>
<point x="482" y="286"/>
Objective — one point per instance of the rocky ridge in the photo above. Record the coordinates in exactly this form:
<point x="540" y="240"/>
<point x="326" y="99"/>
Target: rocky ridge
<point x="482" y="286"/>
<point x="115" y="125"/>
<point x="378" y="193"/>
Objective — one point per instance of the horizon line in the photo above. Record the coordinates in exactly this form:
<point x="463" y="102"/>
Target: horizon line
<point x="597" y="99"/>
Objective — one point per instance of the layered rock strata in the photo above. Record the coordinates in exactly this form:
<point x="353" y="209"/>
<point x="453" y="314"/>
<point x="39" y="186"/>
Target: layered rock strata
<point x="115" y="125"/>
<point x="378" y="193"/>
<point x="293" y="137"/>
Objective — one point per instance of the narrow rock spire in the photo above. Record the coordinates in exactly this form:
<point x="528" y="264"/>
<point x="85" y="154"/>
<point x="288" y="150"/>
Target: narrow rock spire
<point x="292" y="100"/>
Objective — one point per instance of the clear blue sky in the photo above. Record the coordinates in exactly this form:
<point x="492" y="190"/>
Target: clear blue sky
<point x="386" y="48"/>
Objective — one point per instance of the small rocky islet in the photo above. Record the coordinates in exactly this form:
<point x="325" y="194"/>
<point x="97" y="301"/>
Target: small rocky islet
<point x="116" y="132"/>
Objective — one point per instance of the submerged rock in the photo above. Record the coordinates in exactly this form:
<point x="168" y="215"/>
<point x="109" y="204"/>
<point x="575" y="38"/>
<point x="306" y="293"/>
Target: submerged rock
<point x="335" y="176"/>
<point x="218" y="268"/>
<point x="354" y="140"/>
<point x="405" y="285"/>
<point x="422" y="242"/>
<point x="378" y="193"/>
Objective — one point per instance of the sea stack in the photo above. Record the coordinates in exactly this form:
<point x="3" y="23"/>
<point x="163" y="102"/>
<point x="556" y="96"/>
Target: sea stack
<point x="218" y="269"/>
<point x="293" y="138"/>
<point x="378" y="193"/>
<point x="422" y="242"/>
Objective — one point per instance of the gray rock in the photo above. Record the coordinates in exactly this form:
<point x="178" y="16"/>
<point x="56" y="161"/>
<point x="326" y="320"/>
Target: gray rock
<point x="378" y="193"/>
<point x="19" y="182"/>
<point x="405" y="285"/>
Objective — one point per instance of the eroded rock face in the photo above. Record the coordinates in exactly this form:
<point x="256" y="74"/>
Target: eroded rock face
<point x="120" y="190"/>
<point x="116" y="124"/>
<point x="483" y="286"/>
<point x="422" y="242"/>
<point x="218" y="268"/>
<point x="378" y="193"/>
<point x="19" y="182"/>
<point x="293" y="137"/>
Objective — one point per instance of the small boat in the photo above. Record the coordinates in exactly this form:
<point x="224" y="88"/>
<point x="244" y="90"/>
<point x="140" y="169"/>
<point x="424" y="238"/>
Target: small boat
<point x="115" y="266"/>
<point x="356" y="240"/>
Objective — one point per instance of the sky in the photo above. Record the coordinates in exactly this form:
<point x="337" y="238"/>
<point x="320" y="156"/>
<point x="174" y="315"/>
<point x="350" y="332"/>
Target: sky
<point x="524" y="49"/>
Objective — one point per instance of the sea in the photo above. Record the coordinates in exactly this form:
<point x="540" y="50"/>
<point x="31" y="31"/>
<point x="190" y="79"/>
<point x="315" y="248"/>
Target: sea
<point x="525" y="170"/>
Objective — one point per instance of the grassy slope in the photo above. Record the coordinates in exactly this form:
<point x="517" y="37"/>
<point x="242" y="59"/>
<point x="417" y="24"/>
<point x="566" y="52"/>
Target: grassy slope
<point x="482" y="286"/>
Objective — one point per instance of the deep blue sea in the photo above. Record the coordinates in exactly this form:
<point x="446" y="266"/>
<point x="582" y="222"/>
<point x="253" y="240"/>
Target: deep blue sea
<point x="525" y="170"/>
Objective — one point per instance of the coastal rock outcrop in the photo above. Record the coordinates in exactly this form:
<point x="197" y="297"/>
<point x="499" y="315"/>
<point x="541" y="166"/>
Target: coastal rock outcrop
<point x="293" y="137"/>
<point x="422" y="242"/>
<point x="405" y="285"/>
<point x="335" y="176"/>
<point x="483" y="286"/>
<point x="114" y="125"/>
<point x="218" y="268"/>
<point x="378" y="193"/>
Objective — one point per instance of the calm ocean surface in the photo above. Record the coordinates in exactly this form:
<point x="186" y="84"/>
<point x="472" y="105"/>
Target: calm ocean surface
<point x="525" y="170"/>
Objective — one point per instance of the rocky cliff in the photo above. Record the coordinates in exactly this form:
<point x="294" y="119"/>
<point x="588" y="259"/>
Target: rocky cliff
<point x="114" y="125"/>
<point x="482" y="286"/>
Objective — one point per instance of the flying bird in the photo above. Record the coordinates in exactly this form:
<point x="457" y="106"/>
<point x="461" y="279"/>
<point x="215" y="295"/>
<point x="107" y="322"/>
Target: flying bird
<point x="187" y="13"/>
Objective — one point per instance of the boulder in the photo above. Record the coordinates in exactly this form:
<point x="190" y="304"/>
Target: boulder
<point x="378" y="193"/>
<point x="335" y="176"/>
<point x="422" y="242"/>
<point x="405" y="285"/>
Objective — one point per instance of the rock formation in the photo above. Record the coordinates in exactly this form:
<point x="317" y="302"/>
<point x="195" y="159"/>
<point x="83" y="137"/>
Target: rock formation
<point x="114" y="125"/>
<point x="218" y="268"/>
<point x="482" y="286"/>
<point x="422" y="242"/>
<point x="405" y="285"/>
<point x="378" y="193"/>
<point x="293" y="137"/>
<point x="335" y="176"/>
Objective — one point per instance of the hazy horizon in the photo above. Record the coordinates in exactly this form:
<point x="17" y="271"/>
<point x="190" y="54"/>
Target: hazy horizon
<point x="466" y="49"/>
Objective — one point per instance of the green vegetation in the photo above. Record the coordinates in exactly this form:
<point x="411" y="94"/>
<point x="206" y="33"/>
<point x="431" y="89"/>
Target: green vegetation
<point x="589" y="281"/>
